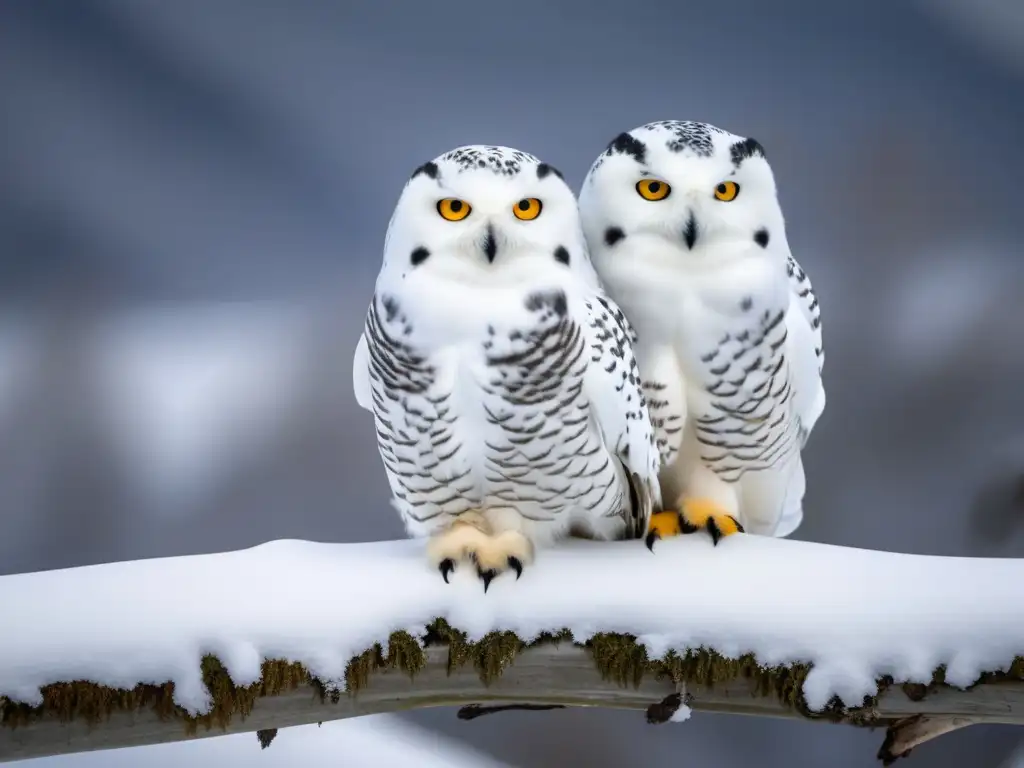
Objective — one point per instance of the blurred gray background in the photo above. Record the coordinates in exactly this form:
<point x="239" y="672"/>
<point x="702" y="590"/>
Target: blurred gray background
<point x="193" y="198"/>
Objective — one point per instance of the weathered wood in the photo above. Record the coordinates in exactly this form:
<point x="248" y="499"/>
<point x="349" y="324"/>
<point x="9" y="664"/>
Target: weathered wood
<point x="545" y="675"/>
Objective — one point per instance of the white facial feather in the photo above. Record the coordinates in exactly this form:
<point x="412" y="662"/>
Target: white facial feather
<point x="685" y="230"/>
<point x="492" y="181"/>
<point x="690" y="233"/>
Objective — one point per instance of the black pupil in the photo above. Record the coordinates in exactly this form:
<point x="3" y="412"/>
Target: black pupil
<point x="654" y="187"/>
<point x="456" y="206"/>
<point x="524" y="205"/>
<point x="722" y="189"/>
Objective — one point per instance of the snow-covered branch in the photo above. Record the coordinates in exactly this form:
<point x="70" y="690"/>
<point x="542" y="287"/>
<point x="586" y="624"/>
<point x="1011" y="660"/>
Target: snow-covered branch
<point x="296" y="632"/>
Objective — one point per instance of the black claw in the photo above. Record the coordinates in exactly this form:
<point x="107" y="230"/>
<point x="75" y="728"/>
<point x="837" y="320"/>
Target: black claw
<point x="739" y="526"/>
<point x="650" y="539"/>
<point x="445" y="567"/>
<point x="685" y="526"/>
<point x="486" y="577"/>
<point x="516" y="565"/>
<point x="713" y="529"/>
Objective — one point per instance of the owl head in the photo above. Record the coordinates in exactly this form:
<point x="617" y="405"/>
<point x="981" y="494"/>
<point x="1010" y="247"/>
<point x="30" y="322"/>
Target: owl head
<point x="486" y="215"/>
<point x="681" y="196"/>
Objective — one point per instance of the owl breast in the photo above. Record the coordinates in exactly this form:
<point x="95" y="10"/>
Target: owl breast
<point x="501" y="425"/>
<point x="743" y="417"/>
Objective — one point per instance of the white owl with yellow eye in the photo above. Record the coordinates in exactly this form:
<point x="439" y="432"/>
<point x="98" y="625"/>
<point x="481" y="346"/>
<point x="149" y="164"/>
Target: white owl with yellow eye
<point x="685" y="230"/>
<point x="505" y="394"/>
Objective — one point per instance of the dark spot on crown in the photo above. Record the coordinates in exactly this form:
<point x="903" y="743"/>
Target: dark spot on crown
<point x="561" y="254"/>
<point x="430" y="169"/>
<point x="544" y="169"/>
<point x="747" y="303"/>
<point x="624" y="143"/>
<point x="419" y="255"/>
<point x="761" y="237"/>
<point x="390" y="307"/>
<point x="741" y="150"/>
<point x="612" y="235"/>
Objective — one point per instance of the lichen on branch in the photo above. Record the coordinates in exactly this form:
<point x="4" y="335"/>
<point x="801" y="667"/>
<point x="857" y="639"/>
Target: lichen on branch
<point x="618" y="658"/>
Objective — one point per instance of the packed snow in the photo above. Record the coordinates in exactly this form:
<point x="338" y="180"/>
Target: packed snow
<point x="681" y="715"/>
<point x="372" y="741"/>
<point x="855" y="614"/>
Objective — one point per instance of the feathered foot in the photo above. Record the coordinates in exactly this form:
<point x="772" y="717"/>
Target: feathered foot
<point x="469" y="541"/>
<point x="694" y="515"/>
<point x="509" y="550"/>
<point x="663" y="525"/>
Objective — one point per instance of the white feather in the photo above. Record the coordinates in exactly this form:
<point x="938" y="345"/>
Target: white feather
<point x="361" y="375"/>
<point x="803" y="321"/>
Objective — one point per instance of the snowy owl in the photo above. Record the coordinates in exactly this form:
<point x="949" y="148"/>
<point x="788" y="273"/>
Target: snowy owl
<point x="685" y="231"/>
<point x="507" y="400"/>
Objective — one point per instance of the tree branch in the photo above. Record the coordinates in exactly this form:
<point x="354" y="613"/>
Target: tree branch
<point x="145" y="620"/>
<point x="561" y="675"/>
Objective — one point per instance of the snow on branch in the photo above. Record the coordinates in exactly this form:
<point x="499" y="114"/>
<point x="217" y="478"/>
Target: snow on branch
<point x="293" y="632"/>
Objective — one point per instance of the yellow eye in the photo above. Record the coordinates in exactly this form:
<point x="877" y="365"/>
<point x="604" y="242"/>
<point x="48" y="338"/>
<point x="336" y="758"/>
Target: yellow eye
<point x="727" y="191"/>
<point x="527" y="209"/>
<point x="652" y="189"/>
<point x="453" y="209"/>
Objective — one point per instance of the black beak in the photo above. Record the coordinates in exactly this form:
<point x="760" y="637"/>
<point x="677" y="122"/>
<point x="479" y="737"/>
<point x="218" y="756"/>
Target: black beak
<point x="690" y="231"/>
<point x="490" y="245"/>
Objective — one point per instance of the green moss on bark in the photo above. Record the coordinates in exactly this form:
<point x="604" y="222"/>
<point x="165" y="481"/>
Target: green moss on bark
<point x="618" y="657"/>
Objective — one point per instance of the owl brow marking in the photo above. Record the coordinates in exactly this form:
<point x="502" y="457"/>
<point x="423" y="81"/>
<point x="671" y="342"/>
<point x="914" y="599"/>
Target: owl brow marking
<point x="628" y="144"/>
<point x="742" y="150"/>
<point x="429" y="169"/>
<point x="544" y="169"/>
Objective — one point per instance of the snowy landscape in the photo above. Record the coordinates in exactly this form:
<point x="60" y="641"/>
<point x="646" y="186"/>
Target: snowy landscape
<point x="192" y="206"/>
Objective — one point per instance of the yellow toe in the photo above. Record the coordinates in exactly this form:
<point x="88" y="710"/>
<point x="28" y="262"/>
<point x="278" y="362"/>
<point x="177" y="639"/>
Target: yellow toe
<point x="664" y="524"/>
<point x="704" y="513"/>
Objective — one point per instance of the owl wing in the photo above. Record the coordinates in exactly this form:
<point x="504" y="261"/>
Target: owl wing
<point x="806" y="359"/>
<point x="665" y="390"/>
<point x="804" y="348"/>
<point x="361" y="374"/>
<point x="613" y="387"/>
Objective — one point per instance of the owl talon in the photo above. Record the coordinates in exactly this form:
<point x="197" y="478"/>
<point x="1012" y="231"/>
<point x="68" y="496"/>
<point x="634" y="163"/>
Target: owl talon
<point x="516" y="565"/>
<point x="662" y="525"/>
<point x="508" y="551"/>
<point x="486" y="577"/>
<point x="446" y="566"/>
<point x="703" y="513"/>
